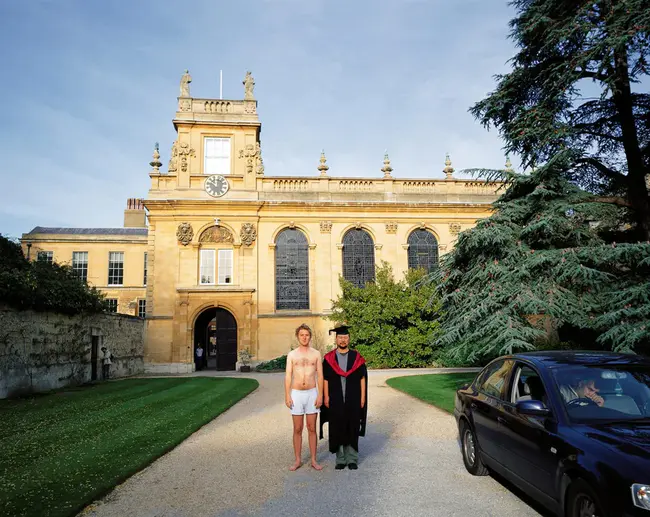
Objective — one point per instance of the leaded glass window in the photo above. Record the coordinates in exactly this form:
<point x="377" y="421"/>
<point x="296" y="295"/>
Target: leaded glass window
<point x="291" y="270"/>
<point x="358" y="257"/>
<point x="423" y="250"/>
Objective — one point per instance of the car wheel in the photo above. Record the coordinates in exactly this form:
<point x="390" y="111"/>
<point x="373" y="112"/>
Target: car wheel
<point x="582" y="501"/>
<point x="471" y="454"/>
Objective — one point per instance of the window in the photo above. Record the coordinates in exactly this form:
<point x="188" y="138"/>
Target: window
<point x="206" y="274"/>
<point x="291" y="270"/>
<point x="80" y="264"/>
<point x="423" y="250"/>
<point x="225" y="266"/>
<point x="142" y="308"/>
<point x="527" y="385"/>
<point x="45" y="256"/>
<point x="116" y="268"/>
<point x="144" y="279"/>
<point x="112" y="304"/>
<point x="492" y="380"/>
<point x="358" y="257"/>
<point x="216" y="157"/>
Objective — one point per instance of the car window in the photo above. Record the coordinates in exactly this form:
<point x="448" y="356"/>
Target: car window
<point x="494" y="377"/>
<point x="527" y="385"/>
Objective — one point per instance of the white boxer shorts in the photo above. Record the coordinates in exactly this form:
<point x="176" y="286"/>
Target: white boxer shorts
<point x="304" y="402"/>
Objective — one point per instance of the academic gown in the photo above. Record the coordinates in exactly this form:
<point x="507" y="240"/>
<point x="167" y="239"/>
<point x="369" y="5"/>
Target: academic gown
<point x="347" y="420"/>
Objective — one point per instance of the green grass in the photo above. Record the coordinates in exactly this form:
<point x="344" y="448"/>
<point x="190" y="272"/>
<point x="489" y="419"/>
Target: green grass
<point x="435" y="389"/>
<point x="60" y="451"/>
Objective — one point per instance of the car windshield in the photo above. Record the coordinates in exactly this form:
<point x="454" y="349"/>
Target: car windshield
<point x="605" y="393"/>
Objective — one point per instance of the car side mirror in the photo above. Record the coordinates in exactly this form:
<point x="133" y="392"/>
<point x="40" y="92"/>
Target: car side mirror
<point x="465" y="386"/>
<point x="532" y="407"/>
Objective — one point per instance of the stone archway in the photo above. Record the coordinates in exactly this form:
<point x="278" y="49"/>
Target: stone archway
<point x="216" y="329"/>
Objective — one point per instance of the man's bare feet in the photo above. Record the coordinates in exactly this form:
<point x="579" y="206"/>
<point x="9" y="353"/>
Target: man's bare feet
<point x="316" y="466"/>
<point x="295" y="466"/>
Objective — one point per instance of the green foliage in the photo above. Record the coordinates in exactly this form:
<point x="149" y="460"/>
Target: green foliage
<point x="436" y="389"/>
<point x="61" y="451"/>
<point x="42" y="286"/>
<point x="279" y="363"/>
<point x="392" y="322"/>
<point x="544" y="262"/>
<point x="573" y="87"/>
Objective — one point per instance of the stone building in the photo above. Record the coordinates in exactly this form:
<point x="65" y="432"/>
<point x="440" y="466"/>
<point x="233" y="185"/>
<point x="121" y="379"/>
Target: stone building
<point x="235" y="259"/>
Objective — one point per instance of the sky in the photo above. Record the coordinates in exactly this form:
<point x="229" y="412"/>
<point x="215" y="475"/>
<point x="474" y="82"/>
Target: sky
<point x="89" y="86"/>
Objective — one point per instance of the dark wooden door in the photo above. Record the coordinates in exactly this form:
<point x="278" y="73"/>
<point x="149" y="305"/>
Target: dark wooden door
<point x="216" y="330"/>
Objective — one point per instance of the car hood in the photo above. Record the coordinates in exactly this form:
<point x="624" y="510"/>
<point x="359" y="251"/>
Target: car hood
<point x="629" y="438"/>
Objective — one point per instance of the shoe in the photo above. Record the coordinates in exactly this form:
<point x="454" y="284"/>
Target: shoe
<point x="353" y="466"/>
<point x="340" y="466"/>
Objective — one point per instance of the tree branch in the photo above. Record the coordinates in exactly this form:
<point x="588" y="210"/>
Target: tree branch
<point x="586" y="74"/>
<point x="602" y="168"/>
<point x="612" y="200"/>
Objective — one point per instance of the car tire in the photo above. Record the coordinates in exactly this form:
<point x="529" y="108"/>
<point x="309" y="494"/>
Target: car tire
<point x="470" y="451"/>
<point x="582" y="501"/>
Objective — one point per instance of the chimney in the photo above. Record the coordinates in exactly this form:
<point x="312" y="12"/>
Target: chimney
<point x="134" y="215"/>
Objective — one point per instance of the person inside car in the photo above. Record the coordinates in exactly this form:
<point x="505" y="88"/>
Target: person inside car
<point x="586" y="388"/>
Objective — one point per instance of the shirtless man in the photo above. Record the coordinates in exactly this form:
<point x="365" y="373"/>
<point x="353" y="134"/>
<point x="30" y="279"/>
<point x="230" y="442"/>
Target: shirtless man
<point x="303" y="390"/>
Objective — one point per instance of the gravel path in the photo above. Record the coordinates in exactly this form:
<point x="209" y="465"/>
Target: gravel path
<point x="409" y="465"/>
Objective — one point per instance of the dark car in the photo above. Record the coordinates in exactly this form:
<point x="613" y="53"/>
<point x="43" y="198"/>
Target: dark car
<point x="571" y="429"/>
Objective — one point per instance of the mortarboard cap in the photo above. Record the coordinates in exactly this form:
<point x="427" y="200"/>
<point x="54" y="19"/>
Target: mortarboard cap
<point x="343" y="330"/>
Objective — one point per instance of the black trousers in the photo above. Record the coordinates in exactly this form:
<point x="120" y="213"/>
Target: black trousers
<point x="106" y="370"/>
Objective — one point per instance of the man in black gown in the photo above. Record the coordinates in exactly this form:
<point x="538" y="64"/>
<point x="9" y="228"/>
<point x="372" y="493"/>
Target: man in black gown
<point x="345" y="400"/>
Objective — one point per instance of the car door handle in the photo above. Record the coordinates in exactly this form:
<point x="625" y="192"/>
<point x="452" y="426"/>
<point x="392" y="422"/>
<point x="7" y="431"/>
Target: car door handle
<point x="473" y="405"/>
<point x="501" y="420"/>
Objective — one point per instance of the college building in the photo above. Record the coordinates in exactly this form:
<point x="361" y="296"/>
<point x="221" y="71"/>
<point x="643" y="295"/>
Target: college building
<point x="222" y="254"/>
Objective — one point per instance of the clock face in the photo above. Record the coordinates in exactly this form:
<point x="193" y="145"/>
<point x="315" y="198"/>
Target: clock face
<point x="216" y="185"/>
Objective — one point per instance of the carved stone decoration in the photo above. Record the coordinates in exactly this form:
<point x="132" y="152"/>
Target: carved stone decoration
<point x="155" y="163"/>
<point x="184" y="105"/>
<point x="180" y="152"/>
<point x="326" y="226"/>
<point x="217" y="234"/>
<point x="423" y="225"/>
<point x="454" y="228"/>
<point x="448" y="170"/>
<point x="387" y="169"/>
<point x="248" y="233"/>
<point x="391" y="227"/>
<point x="249" y="85"/>
<point x="323" y="167"/>
<point x="292" y="224"/>
<point x="253" y="155"/>
<point x="184" y="233"/>
<point x="249" y="108"/>
<point x="357" y="225"/>
<point x="173" y="160"/>
<point x="186" y="79"/>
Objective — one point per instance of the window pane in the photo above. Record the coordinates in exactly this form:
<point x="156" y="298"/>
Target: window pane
<point x="423" y="250"/>
<point x="115" y="268"/>
<point x="358" y="257"/>
<point x="142" y="308"/>
<point x="291" y="270"/>
<point x="112" y="304"/>
<point x="207" y="267"/>
<point x="216" y="158"/>
<point x="80" y="264"/>
<point x="144" y="280"/>
<point x="493" y="379"/>
<point x="45" y="256"/>
<point x="225" y="266"/>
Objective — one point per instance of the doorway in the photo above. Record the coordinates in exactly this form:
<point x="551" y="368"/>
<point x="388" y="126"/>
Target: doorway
<point x="94" y="353"/>
<point x="216" y="330"/>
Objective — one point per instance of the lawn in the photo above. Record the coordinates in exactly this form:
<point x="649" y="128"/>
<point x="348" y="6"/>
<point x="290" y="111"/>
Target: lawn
<point x="60" y="451"/>
<point x="437" y="389"/>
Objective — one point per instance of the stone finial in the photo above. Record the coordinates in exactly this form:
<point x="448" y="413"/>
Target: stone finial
<point x="156" y="163"/>
<point x="508" y="165"/>
<point x="386" y="169"/>
<point x="448" y="170"/>
<point x="186" y="79"/>
<point x="249" y="85"/>
<point x="323" y="167"/>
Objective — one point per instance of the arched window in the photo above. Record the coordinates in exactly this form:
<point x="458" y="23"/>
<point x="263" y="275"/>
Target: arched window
<point x="423" y="250"/>
<point x="358" y="257"/>
<point x="291" y="270"/>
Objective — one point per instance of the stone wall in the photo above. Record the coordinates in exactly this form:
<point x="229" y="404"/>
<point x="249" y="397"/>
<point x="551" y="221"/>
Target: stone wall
<point x="44" y="351"/>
